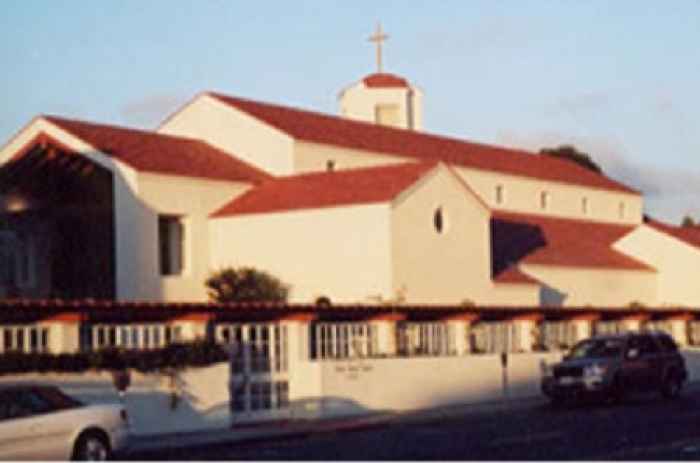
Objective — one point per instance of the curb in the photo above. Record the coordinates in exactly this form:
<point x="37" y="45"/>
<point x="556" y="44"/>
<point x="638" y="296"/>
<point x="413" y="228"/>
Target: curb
<point x="173" y="441"/>
<point x="298" y="428"/>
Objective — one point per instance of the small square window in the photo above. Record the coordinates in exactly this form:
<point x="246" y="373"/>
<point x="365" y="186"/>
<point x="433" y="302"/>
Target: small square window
<point x="387" y="114"/>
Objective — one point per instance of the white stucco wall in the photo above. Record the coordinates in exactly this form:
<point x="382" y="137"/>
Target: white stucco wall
<point x="451" y="266"/>
<point x="678" y="264"/>
<point x="404" y="384"/>
<point x="193" y="200"/>
<point x="206" y="118"/>
<point x="358" y="102"/>
<point x="602" y="287"/>
<point x="314" y="157"/>
<point x="342" y="253"/>
<point x="522" y="195"/>
<point x="513" y="294"/>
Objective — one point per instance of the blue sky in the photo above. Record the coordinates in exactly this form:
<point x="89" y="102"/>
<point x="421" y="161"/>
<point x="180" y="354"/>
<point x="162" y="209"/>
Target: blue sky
<point x="618" y="79"/>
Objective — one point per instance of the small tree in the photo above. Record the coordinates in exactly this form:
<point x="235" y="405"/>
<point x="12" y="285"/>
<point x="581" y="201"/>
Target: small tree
<point x="688" y="222"/>
<point x="245" y="284"/>
<point x="572" y="154"/>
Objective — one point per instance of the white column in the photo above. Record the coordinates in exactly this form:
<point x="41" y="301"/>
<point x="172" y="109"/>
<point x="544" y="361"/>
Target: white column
<point x="64" y="333"/>
<point x="679" y="331"/>
<point x="527" y="329"/>
<point x="583" y="329"/>
<point x="460" y="328"/>
<point x="304" y="375"/>
<point x="387" y="343"/>
<point x="631" y="325"/>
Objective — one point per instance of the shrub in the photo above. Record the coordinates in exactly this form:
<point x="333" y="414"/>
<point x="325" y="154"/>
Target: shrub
<point x="173" y="357"/>
<point x="245" y="284"/>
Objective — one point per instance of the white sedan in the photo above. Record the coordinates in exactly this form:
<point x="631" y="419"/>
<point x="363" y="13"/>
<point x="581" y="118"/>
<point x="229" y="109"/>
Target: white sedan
<point x="43" y="423"/>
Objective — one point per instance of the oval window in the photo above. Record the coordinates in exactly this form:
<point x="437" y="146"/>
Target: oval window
<point x="439" y="220"/>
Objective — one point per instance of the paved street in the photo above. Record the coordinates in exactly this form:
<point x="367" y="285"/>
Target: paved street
<point x="644" y="429"/>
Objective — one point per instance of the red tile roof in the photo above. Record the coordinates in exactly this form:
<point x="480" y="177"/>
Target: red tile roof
<point x="514" y="275"/>
<point x="321" y="128"/>
<point x="384" y="80"/>
<point x="327" y="189"/>
<point x="689" y="235"/>
<point x="529" y="239"/>
<point x="152" y="152"/>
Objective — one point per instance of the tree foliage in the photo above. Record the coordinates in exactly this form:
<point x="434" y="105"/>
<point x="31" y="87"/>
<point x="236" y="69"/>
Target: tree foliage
<point x="572" y="154"/>
<point x="688" y="222"/>
<point x="245" y="284"/>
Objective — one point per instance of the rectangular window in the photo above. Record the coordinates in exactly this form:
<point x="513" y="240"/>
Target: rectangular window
<point x="7" y="341"/>
<point x="171" y="245"/>
<point x="45" y="339"/>
<point x="33" y="339"/>
<point x="239" y="394"/>
<point x="387" y="114"/>
<point x="500" y="194"/>
<point x="17" y="262"/>
<point x="282" y="394"/>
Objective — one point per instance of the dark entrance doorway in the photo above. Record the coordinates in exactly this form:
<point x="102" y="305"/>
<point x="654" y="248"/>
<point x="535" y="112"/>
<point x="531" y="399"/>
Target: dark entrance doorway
<point x="56" y="225"/>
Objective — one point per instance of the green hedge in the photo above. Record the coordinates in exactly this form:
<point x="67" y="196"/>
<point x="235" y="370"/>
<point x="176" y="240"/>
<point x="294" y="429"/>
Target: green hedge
<point x="175" y="356"/>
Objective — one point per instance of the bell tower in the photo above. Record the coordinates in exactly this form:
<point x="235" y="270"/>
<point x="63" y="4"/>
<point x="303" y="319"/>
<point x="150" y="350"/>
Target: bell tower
<point x="383" y="98"/>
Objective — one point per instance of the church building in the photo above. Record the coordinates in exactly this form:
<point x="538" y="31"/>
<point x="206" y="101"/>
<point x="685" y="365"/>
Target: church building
<point x="358" y="208"/>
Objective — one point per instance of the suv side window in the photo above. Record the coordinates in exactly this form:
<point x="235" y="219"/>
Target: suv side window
<point x="632" y="348"/>
<point x="647" y="346"/>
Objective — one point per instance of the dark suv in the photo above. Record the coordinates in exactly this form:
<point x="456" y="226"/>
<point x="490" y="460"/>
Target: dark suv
<point x="611" y="367"/>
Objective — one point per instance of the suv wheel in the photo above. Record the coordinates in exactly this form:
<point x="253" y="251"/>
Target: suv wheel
<point x="671" y="388"/>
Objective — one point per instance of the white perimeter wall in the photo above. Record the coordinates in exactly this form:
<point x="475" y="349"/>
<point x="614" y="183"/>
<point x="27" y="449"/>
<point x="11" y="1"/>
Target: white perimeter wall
<point x="418" y="383"/>
<point x="203" y="397"/>
<point x="320" y="389"/>
<point x="342" y="253"/>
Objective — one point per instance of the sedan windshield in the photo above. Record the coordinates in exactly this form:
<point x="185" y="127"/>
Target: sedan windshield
<point x="597" y="348"/>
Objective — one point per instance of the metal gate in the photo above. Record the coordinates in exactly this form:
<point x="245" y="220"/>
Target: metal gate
<point x="259" y="370"/>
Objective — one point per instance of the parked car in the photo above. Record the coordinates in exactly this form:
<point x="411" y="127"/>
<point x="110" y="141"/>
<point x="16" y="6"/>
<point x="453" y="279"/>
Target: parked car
<point x="612" y="367"/>
<point x="40" y="422"/>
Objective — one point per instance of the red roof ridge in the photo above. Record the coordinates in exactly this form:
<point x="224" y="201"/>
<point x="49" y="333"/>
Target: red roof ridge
<point x="531" y="217"/>
<point x="161" y="153"/>
<point x="323" y="128"/>
<point x="513" y="275"/>
<point x="315" y="190"/>
<point x="689" y="235"/>
<point x="384" y="80"/>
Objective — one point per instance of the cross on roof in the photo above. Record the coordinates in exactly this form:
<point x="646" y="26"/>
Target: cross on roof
<point x="378" y="37"/>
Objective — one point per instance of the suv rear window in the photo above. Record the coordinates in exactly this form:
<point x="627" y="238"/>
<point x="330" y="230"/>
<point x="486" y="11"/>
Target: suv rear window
<point x="667" y="343"/>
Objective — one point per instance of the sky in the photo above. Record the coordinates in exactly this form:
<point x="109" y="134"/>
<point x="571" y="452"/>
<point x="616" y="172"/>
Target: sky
<point x="619" y="79"/>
